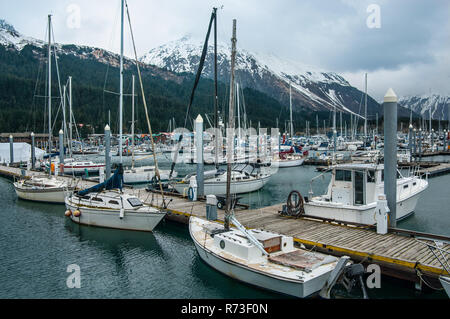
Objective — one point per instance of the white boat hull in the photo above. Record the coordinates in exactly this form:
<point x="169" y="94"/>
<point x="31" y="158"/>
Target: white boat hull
<point x="56" y="196"/>
<point x="144" y="177"/>
<point x="220" y="188"/>
<point x="109" y="218"/>
<point x="358" y="214"/>
<point x="289" y="163"/>
<point x="445" y="281"/>
<point x="296" y="288"/>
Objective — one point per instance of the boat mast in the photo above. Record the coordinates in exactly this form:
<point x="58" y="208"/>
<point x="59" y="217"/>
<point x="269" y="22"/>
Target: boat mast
<point x="216" y="98"/>
<point x="230" y="133"/>
<point x="121" y="83"/>
<point x="291" y="125"/>
<point x="132" y="123"/>
<point x="365" y="115"/>
<point x="70" y="116"/>
<point x="50" y="92"/>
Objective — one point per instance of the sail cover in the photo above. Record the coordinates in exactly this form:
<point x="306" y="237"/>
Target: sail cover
<point x="115" y="182"/>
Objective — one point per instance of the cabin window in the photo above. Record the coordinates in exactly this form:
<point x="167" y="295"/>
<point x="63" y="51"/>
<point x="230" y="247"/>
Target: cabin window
<point x="405" y="186"/>
<point x="370" y="176"/>
<point x="135" y="202"/>
<point x="113" y="202"/>
<point x="344" y="176"/>
<point x="414" y="184"/>
<point x="96" y="199"/>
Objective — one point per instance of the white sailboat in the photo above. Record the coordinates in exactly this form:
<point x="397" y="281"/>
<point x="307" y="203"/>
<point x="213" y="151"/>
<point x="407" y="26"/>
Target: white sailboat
<point x="354" y="190"/>
<point x="245" y="178"/>
<point x="270" y="261"/>
<point x="45" y="188"/>
<point x="264" y="259"/>
<point x="141" y="174"/>
<point x="106" y="205"/>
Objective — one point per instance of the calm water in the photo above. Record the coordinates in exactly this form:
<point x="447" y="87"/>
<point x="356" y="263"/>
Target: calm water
<point x="37" y="243"/>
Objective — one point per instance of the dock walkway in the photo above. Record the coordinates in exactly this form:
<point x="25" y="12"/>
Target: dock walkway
<point x="398" y="253"/>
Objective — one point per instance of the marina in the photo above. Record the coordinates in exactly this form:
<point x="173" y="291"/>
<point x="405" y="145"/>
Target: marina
<point x="280" y="181"/>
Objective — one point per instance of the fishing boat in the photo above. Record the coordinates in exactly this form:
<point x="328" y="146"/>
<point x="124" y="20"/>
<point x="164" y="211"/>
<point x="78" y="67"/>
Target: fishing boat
<point x="43" y="189"/>
<point x="245" y="178"/>
<point x="106" y="205"/>
<point x="353" y="192"/>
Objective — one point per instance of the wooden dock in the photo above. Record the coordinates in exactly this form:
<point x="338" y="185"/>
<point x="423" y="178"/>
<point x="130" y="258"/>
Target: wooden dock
<point x="398" y="253"/>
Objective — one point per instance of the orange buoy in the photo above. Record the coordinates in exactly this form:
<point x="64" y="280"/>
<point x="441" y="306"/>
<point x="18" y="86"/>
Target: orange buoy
<point x="77" y="213"/>
<point x="68" y="213"/>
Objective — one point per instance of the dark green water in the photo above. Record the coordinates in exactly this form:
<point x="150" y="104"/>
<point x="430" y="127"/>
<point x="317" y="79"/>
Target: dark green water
<point x="37" y="243"/>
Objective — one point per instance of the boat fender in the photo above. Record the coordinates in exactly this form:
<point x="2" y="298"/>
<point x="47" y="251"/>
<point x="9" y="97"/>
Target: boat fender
<point x="77" y="213"/>
<point x="68" y="213"/>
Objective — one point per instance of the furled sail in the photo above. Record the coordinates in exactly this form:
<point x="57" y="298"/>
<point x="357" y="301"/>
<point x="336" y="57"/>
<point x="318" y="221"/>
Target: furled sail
<point x="115" y="182"/>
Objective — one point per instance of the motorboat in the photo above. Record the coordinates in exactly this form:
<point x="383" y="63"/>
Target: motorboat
<point x="353" y="192"/>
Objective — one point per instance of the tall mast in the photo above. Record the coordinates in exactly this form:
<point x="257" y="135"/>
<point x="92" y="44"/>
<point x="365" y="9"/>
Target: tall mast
<point x="50" y="91"/>
<point x="121" y="84"/>
<point x="291" y="125"/>
<point x="230" y="133"/>
<point x="132" y="124"/>
<point x="70" y="116"/>
<point x="216" y="98"/>
<point x="365" y="115"/>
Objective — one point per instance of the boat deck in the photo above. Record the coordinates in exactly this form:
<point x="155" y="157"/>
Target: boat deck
<point x="398" y="253"/>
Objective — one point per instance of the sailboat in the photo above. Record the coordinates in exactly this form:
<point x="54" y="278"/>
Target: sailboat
<point x="141" y="174"/>
<point x="106" y="205"/>
<point x="48" y="189"/>
<point x="244" y="177"/>
<point x="257" y="257"/>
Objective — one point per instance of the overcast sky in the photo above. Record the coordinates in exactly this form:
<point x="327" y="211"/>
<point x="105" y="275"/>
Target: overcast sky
<point x="403" y="44"/>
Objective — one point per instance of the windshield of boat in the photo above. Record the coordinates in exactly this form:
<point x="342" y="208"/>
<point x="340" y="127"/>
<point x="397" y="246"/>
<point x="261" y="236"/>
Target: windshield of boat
<point x="135" y="202"/>
<point x="244" y="168"/>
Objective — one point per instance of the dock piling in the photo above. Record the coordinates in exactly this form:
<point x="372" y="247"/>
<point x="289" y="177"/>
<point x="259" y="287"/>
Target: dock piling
<point x="390" y="154"/>
<point x="199" y="147"/>
<point x="11" y="150"/>
<point x="33" y="152"/>
<point x="107" y="151"/>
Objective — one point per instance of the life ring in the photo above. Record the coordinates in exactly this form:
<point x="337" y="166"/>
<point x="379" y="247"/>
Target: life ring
<point x="295" y="204"/>
<point x="191" y="193"/>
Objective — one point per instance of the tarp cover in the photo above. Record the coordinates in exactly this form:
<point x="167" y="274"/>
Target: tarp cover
<point x="115" y="182"/>
<point x="22" y="153"/>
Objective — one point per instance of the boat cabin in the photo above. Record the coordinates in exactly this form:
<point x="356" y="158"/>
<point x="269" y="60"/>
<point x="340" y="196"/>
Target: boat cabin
<point x="356" y="184"/>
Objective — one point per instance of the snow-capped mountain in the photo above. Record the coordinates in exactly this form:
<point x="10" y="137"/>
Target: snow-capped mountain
<point x="10" y="37"/>
<point x="311" y="88"/>
<point x="438" y="105"/>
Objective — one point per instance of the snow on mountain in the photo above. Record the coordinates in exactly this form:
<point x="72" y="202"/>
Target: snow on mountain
<point x="9" y="36"/>
<point x="312" y="88"/>
<point x="438" y="105"/>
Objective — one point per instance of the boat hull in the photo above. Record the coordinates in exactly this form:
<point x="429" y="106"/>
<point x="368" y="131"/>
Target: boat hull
<point x="445" y="281"/>
<point x="359" y="214"/>
<point x="244" y="274"/>
<point x="56" y="196"/>
<point x="220" y="188"/>
<point x="289" y="163"/>
<point x="109" y="218"/>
